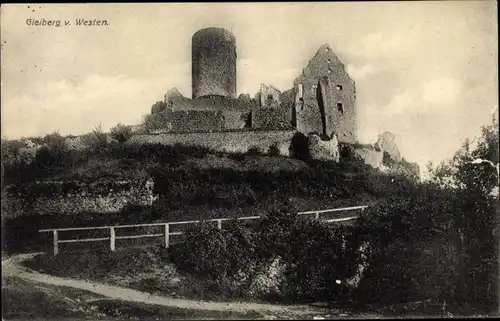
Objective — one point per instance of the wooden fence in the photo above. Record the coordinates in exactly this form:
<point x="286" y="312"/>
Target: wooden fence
<point x="166" y="233"/>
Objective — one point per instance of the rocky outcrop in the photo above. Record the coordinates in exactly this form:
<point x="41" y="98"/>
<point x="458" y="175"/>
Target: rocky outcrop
<point x="324" y="149"/>
<point x="73" y="197"/>
<point x="269" y="279"/>
<point x="369" y="155"/>
<point x="403" y="168"/>
<point x="173" y="94"/>
<point x="387" y="143"/>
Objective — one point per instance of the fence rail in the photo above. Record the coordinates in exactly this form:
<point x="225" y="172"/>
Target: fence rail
<point x="166" y="228"/>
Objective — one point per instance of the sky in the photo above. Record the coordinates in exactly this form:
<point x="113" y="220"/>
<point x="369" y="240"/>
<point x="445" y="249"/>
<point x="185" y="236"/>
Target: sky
<point x="425" y="71"/>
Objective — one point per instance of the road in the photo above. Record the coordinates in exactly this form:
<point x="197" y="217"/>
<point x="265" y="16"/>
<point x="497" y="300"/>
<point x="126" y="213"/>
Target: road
<point x="12" y="267"/>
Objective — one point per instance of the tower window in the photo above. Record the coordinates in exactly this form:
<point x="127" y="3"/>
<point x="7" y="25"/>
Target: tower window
<point x="340" y="107"/>
<point x="301" y="102"/>
<point x="339" y="87"/>
<point x="329" y="70"/>
<point x="329" y="61"/>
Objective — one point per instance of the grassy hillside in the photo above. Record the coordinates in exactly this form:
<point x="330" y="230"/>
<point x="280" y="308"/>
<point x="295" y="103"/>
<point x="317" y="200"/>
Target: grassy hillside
<point x="190" y="182"/>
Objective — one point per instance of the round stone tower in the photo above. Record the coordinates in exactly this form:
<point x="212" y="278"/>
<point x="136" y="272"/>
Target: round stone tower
<point x="214" y="63"/>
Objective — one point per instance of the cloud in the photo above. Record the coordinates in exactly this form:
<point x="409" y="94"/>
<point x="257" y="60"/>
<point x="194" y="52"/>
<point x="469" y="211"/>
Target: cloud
<point x="390" y="43"/>
<point x="76" y="108"/>
<point x="402" y="103"/>
<point x="250" y="74"/>
<point x="359" y="73"/>
<point x="441" y="90"/>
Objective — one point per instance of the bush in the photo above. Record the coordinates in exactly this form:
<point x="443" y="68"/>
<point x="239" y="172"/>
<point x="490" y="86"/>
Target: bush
<point x="274" y="150"/>
<point x="121" y="133"/>
<point x="417" y="252"/>
<point x="158" y="107"/>
<point x="53" y="155"/>
<point x="157" y="121"/>
<point x="11" y="154"/>
<point x="253" y="151"/>
<point x="55" y="141"/>
<point x="283" y="256"/>
<point x="97" y="140"/>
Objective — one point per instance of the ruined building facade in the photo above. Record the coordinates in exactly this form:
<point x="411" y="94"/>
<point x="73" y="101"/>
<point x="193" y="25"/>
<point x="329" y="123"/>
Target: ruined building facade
<point x="325" y="98"/>
<point x="322" y="99"/>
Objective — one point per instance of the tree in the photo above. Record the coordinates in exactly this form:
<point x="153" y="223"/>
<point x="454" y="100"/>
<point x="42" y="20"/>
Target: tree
<point x="158" y="107"/>
<point x="440" y="241"/>
<point x="476" y="210"/>
<point x="121" y="133"/>
<point x="462" y="173"/>
<point x="97" y="140"/>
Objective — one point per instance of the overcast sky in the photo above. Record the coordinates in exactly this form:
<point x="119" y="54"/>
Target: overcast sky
<point x="426" y="71"/>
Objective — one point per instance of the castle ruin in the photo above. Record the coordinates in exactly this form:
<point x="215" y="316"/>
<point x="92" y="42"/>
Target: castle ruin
<point x="322" y="100"/>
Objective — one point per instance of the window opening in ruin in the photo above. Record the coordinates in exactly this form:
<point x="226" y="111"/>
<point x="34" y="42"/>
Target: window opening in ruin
<point x="339" y="87"/>
<point x="301" y="102"/>
<point x="329" y="61"/>
<point x="340" y="107"/>
<point x="300" y="95"/>
<point x="321" y="105"/>
<point x="329" y="70"/>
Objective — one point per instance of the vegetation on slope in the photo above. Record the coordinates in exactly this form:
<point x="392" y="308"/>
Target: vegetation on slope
<point x="434" y="242"/>
<point x="191" y="183"/>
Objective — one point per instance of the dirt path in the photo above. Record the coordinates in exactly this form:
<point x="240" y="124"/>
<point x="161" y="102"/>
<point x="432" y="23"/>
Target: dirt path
<point x="13" y="267"/>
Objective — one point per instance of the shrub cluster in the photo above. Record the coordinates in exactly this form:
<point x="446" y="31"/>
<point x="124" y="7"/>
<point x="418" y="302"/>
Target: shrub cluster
<point x="282" y="257"/>
<point x="436" y="245"/>
<point x="121" y="133"/>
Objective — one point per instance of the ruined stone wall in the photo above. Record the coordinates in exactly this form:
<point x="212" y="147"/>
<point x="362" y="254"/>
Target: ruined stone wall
<point x="324" y="149"/>
<point x="269" y="96"/>
<point x="224" y="103"/>
<point x="271" y="118"/>
<point x="235" y="119"/>
<point x="288" y="96"/>
<point x="194" y="121"/>
<point x="325" y="98"/>
<point x="370" y="156"/>
<point x="231" y="142"/>
<point x="72" y="197"/>
<point x="205" y="114"/>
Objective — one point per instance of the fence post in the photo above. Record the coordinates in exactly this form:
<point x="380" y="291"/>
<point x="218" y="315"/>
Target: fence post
<point x="317" y="215"/>
<point x="167" y="234"/>
<point x="112" y="238"/>
<point x="56" y="243"/>
<point x="219" y="224"/>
